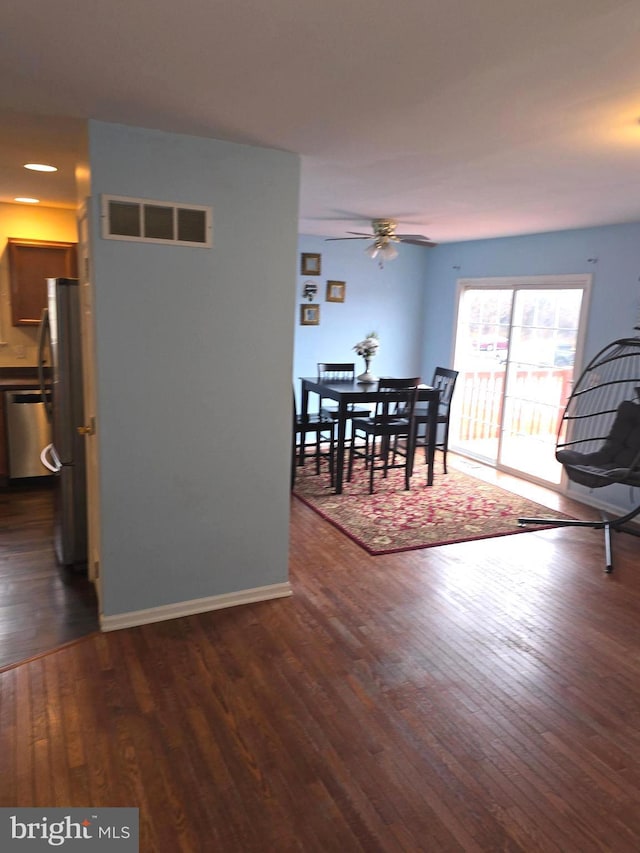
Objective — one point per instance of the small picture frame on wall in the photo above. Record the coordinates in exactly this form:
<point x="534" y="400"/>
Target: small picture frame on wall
<point x="336" y="291"/>
<point x="310" y="315"/>
<point x="310" y="263"/>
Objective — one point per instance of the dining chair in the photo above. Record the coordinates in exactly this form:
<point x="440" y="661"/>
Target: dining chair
<point x="323" y="429"/>
<point x="445" y="380"/>
<point x="335" y="371"/>
<point x="392" y="418"/>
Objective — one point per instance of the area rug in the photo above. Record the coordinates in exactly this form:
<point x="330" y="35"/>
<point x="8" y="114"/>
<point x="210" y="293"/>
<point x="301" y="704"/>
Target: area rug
<point x="457" y="508"/>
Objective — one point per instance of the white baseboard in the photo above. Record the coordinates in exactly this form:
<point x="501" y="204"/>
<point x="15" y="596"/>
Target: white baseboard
<point x="196" y="605"/>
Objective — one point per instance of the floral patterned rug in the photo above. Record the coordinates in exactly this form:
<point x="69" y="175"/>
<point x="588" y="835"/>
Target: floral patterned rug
<point x="457" y="508"/>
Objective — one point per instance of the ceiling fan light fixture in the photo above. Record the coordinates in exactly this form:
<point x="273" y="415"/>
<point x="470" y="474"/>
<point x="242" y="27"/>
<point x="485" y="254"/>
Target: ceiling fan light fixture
<point x="384" y="239"/>
<point x="382" y="248"/>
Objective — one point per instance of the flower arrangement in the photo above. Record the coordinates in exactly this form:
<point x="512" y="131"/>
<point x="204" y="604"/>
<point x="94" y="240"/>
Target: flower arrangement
<point x="369" y="346"/>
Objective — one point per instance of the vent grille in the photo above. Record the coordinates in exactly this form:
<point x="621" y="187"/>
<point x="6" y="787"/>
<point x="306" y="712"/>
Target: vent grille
<point x="144" y="220"/>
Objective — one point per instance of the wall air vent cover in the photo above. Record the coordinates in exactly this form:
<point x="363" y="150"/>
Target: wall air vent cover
<point x="144" y="220"/>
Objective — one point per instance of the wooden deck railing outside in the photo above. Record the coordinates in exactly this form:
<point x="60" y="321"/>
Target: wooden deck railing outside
<point x="535" y="402"/>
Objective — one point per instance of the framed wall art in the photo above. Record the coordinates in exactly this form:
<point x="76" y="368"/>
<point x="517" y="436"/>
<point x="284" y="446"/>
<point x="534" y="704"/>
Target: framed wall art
<point x="309" y="289"/>
<point x="310" y="315"/>
<point x="336" y="291"/>
<point x="310" y="263"/>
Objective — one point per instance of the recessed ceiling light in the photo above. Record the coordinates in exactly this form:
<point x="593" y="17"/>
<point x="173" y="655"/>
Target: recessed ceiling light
<point x="28" y="200"/>
<point x="40" y="167"/>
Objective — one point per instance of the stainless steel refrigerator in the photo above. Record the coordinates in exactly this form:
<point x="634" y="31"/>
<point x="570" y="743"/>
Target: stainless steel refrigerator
<point x="60" y="347"/>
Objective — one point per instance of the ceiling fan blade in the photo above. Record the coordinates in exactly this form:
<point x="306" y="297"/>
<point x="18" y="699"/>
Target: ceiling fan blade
<point x="416" y="240"/>
<point x="364" y="237"/>
<point x="385" y="232"/>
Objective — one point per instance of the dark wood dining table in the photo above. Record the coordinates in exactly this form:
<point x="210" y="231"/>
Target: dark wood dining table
<point x="345" y="392"/>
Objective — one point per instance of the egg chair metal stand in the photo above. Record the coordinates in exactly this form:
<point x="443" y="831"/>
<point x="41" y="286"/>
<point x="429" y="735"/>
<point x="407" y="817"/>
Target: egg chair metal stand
<point x="599" y="436"/>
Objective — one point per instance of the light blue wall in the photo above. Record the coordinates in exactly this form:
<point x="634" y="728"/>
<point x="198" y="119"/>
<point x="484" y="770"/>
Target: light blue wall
<point x="611" y="254"/>
<point x="194" y="357"/>
<point x="387" y="300"/>
<point x="615" y="300"/>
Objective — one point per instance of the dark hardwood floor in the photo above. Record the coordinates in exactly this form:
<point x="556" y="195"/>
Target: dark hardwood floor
<point x="483" y="696"/>
<point x="41" y="605"/>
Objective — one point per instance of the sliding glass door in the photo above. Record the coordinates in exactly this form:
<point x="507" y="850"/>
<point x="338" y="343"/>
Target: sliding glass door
<point x="517" y="341"/>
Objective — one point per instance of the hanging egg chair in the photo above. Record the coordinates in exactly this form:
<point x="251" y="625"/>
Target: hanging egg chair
<point x="599" y="436"/>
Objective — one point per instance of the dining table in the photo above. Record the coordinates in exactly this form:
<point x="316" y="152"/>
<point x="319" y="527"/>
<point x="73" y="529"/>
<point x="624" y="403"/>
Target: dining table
<point x="348" y="391"/>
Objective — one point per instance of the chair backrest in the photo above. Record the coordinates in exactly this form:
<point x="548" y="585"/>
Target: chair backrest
<point x="445" y="380"/>
<point x="336" y="370"/>
<point x="617" y="460"/>
<point x="399" y="400"/>
<point x="599" y="435"/>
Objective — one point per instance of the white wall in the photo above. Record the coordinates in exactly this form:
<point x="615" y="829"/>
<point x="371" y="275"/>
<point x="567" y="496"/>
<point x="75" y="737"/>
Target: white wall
<point x="194" y="356"/>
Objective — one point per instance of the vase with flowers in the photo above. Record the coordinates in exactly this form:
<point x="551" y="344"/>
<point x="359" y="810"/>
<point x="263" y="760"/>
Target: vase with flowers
<point x="367" y="348"/>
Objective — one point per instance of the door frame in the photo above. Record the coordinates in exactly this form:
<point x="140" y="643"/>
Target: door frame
<point x="90" y="399"/>
<point x="582" y="281"/>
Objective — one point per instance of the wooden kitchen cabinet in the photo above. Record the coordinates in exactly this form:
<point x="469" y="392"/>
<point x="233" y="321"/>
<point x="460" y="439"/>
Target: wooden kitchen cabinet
<point x="31" y="262"/>
<point x="4" y="456"/>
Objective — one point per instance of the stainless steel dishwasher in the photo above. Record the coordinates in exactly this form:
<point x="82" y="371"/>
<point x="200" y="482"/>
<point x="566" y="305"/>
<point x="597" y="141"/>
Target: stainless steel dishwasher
<point x="28" y="432"/>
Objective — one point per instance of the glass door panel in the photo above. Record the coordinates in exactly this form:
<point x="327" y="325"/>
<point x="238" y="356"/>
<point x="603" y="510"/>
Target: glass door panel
<point x="515" y="350"/>
<point x="539" y="373"/>
<point x="484" y="319"/>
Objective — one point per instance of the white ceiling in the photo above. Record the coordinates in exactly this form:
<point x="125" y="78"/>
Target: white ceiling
<point x="460" y="118"/>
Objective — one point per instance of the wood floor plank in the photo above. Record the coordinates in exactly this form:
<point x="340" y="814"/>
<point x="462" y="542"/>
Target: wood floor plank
<point x="42" y="605"/>
<point x="475" y="697"/>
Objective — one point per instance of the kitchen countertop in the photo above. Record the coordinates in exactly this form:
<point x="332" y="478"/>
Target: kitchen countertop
<point x="19" y="378"/>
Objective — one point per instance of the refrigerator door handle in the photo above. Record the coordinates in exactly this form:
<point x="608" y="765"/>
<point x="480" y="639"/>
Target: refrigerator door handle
<point x="43" y="331"/>
<point x="55" y="465"/>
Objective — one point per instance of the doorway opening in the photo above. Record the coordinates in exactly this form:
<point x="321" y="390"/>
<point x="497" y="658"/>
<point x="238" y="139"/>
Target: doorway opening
<point x="518" y="341"/>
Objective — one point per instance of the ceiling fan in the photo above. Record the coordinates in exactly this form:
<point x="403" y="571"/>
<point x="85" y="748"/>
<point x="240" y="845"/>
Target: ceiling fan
<point x="384" y="236"/>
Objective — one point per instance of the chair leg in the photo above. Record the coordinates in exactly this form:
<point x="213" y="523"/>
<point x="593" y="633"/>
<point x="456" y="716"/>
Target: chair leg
<point x="303" y="439"/>
<point x="607" y="548"/>
<point x="331" y="458"/>
<point x="332" y="461"/>
<point x="445" y="446"/>
<point x="606" y="525"/>
<point x="394" y="451"/>
<point x="385" y="460"/>
<point x="411" y="452"/>
<point x="372" y="469"/>
<point x="350" y="462"/>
